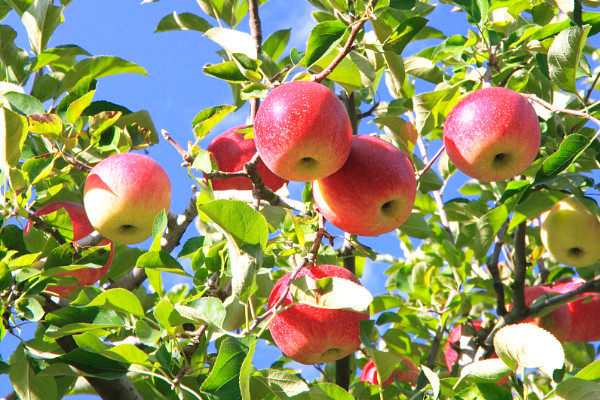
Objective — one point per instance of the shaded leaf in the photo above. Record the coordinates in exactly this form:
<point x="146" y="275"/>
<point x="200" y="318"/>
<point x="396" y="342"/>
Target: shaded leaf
<point x="569" y="150"/>
<point x="405" y="32"/>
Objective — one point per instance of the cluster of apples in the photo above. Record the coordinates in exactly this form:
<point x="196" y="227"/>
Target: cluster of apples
<point x="123" y="194"/>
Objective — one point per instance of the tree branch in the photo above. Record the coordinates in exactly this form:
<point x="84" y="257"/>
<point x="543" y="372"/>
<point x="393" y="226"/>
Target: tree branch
<point x="520" y="261"/>
<point x="256" y="32"/>
<point x="492" y="266"/>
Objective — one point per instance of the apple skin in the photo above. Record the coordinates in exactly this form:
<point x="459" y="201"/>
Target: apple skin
<point x="123" y="194"/>
<point x="232" y="152"/>
<point x="373" y="193"/>
<point x="302" y="131"/>
<point x="573" y="321"/>
<point x="570" y="233"/>
<point x="410" y="375"/>
<point x="492" y="134"/>
<point x="313" y="335"/>
<point x="81" y="228"/>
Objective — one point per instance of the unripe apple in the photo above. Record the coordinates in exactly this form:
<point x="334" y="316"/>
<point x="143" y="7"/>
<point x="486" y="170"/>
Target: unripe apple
<point x="315" y="335"/>
<point x="492" y="134"/>
<point x="123" y="194"/>
<point x="81" y="228"/>
<point x="410" y="374"/>
<point x="232" y="152"/>
<point x="571" y="233"/>
<point x="302" y="131"/>
<point x="373" y="193"/>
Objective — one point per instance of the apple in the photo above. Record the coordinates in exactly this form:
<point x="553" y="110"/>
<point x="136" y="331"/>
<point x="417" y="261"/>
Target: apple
<point x="570" y="233"/>
<point x="492" y="134"/>
<point x="123" y="194"/>
<point x="314" y="335"/>
<point x="232" y="152"/>
<point x="81" y="228"/>
<point x="410" y="374"/>
<point x="570" y="322"/>
<point x="373" y="193"/>
<point x="302" y="131"/>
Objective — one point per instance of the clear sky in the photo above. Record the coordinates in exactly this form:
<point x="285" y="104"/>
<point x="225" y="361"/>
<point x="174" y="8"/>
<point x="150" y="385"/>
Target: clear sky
<point x="176" y="90"/>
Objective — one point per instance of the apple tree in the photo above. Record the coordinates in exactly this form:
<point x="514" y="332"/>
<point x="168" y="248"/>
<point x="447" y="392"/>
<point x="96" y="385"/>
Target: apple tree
<point x="493" y="294"/>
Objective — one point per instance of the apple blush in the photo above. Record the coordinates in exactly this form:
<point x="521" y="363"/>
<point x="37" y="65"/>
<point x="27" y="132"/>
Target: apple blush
<point x="492" y="134"/>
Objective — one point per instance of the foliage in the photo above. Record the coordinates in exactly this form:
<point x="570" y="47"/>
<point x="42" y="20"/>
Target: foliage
<point x="199" y="342"/>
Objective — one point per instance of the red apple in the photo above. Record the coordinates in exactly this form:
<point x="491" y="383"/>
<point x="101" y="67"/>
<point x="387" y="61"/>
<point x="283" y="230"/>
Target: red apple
<point x="573" y="321"/>
<point x="302" y="131"/>
<point x="373" y="193"/>
<point x="410" y="374"/>
<point x="232" y="152"/>
<point x="314" y="335"/>
<point x="81" y="228"/>
<point x="123" y="194"/>
<point x="492" y="134"/>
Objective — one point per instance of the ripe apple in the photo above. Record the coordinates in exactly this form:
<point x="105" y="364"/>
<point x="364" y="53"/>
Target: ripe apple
<point x="81" y="228"/>
<point x="570" y="233"/>
<point x="302" y="131"/>
<point x="570" y="322"/>
<point x="232" y="152"/>
<point x="373" y="193"/>
<point x="123" y="194"/>
<point x="492" y="134"/>
<point x="410" y="374"/>
<point x="314" y="335"/>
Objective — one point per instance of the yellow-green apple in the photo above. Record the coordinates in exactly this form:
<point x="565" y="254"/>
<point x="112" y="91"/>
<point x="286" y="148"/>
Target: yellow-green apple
<point x="232" y="152"/>
<point x="571" y="233"/>
<point x="81" y="228"/>
<point x="409" y="374"/>
<point x="302" y="131"/>
<point x="314" y="335"/>
<point x="123" y="194"/>
<point x="492" y="134"/>
<point x="570" y="322"/>
<point x="373" y="193"/>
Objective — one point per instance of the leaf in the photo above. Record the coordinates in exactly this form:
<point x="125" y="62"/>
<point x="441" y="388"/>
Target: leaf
<point x="228" y="71"/>
<point x="578" y="389"/>
<point x="327" y="391"/>
<point x="94" y="364"/>
<point x="405" y="32"/>
<point x="206" y="119"/>
<point x="244" y="267"/>
<point x="233" y="41"/>
<point x="49" y="125"/>
<point x="160" y="261"/>
<point x="432" y="107"/>
<point x="433" y="379"/>
<point x="13" y="132"/>
<point x="331" y="292"/>
<point x="569" y="150"/>
<point x="275" y="44"/>
<point x="590" y="372"/>
<point x="323" y="38"/>
<point x="40" y="20"/>
<point x="490" y="370"/>
<point x="182" y="22"/>
<point x="346" y="73"/>
<point x="564" y="56"/>
<point x="13" y="58"/>
<point x="88" y="315"/>
<point x="281" y="384"/>
<point x="205" y="310"/>
<point x="25" y="382"/>
<point x="415" y="226"/>
<point x="97" y="67"/>
<point x="224" y="379"/>
<point x="570" y="7"/>
<point x="77" y="107"/>
<point x="119" y="299"/>
<point x="24" y="104"/>
<point x="529" y="346"/>
<point x="56" y="54"/>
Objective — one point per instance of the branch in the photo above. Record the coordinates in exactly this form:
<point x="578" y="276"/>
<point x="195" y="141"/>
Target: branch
<point x="187" y="158"/>
<point x="40" y="224"/>
<point x="342" y="366"/>
<point x="80" y="165"/>
<point x="256" y="32"/>
<point x="492" y="266"/>
<point x="561" y="110"/>
<point x="591" y="89"/>
<point x="520" y="261"/>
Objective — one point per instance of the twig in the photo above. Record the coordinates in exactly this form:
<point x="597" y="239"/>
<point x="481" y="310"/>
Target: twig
<point x="80" y="165"/>
<point x="492" y="266"/>
<point x="187" y="158"/>
<point x="369" y="112"/>
<point x="560" y="110"/>
<point x="188" y="352"/>
<point x="40" y="224"/>
<point x="256" y="32"/>
<point x="591" y="89"/>
<point x="520" y="261"/>
<point x="430" y="163"/>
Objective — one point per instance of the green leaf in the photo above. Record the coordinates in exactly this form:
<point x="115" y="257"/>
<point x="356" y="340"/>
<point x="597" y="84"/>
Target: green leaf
<point x="578" y="389"/>
<point x="244" y="266"/>
<point x="224" y="379"/>
<point x="128" y="353"/>
<point x="529" y="346"/>
<point x="254" y="90"/>
<point x="57" y="54"/>
<point x="490" y="370"/>
<point x="275" y="44"/>
<point x="13" y="58"/>
<point x="95" y="68"/>
<point x="25" y="382"/>
<point x="77" y="107"/>
<point x="94" y="364"/>
<point x="432" y="107"/>
<point x="182" y="22"/>
<point x="23" y="103"/>
<point x="564" y="56"/>
<point x="13" y="132"/>
<point x="206" y="119"/>
<point x="323" y="38"/>
<point x="327" y="391"/>
<point x="119" y="299"/>
<point x="87" y="315"/>
<point x="36" y="169"/>
<point x="205" y="310"/>
<point x="160" y="261"/>
<point x="281" y="384"/>
<point x="405" y="32"/>
<point x="331" y="292"/>
<point x="233" y="41"/>
<point x="228" y="71"/>
<point x="569" y="150"/>
<point x="346" y="73"/>
<point x="40" y="20"/>
<point x="416" y="226"/>
<point x="590" y="372"/>
<point x="570" y="7"/>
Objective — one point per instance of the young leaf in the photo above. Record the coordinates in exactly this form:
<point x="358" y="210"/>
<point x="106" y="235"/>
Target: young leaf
<point x="324" y="37"/>
<point x="40" y="20"/>
<point x="529" y="346"/>
<point x="276" y="43"/>
<point x="206" y="119"/>
<point x="182" y="22"/>
<point x="565" y="55"/>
